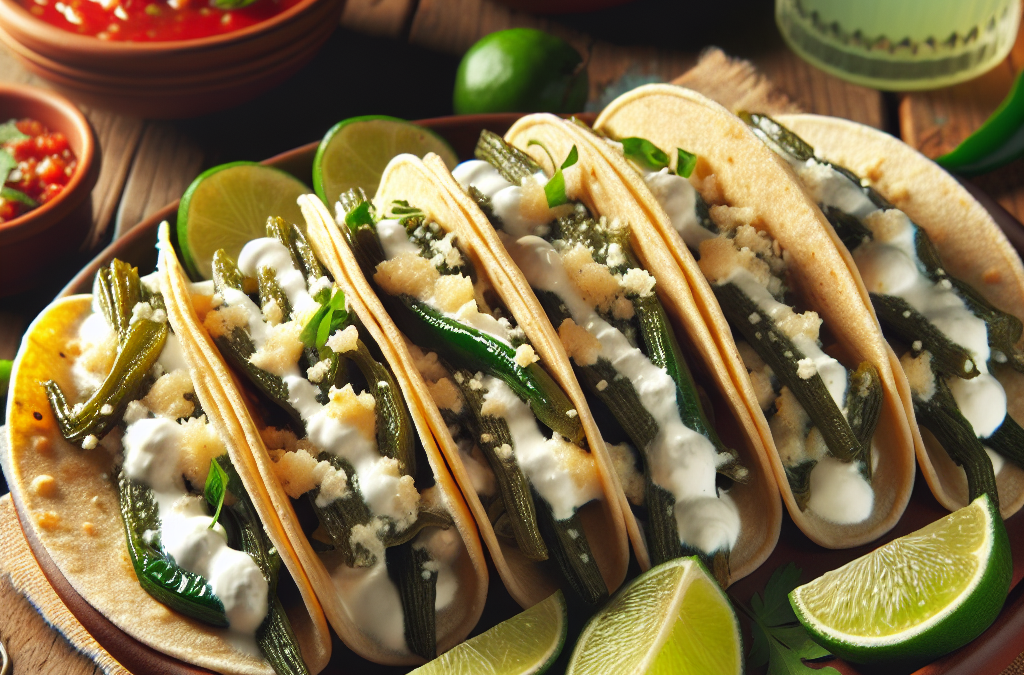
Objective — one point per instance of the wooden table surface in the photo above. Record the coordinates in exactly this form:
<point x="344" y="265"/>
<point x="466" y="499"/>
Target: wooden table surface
<point x="399" y="57"/>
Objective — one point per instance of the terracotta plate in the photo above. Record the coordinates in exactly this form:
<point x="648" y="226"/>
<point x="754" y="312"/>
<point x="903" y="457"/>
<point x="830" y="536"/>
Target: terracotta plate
<point x="990" y="654"/>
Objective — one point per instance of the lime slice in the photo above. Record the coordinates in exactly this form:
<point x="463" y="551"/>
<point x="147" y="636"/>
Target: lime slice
<point x="355" y="152"/>
<point x="916" y="598"/>
<point x="529" y="642"/>
<point x="228" y="205"/>
<point x="672" y="619"/>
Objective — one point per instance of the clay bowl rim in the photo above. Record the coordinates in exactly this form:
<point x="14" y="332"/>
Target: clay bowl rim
<point x="19" y="20"/>
<point x="77" y="124"/>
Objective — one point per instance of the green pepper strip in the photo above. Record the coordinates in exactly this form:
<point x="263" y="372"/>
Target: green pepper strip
<point x="514" y="488"/>
<point x="1008" y="441"/>
<point x="237" y="346"/>
<point x="143" y="343"/>
<point x="271" y="290"/>
<point x="158" y="574"/>
<point x="394" y="425"/>
<point x="997" y="141"/>
<point x="118" y="290"/>
<point x="940" y="415"/>
<point x="341" y="515"/>
<point x="864" y="407"/>
<point x="417" y="589"/>
<point x="512" y="163"/>
<point x="571" y="551"/>
<point x="467" y="346"/>
<point x="909" y="325"/>
<point x="799" y="477"/>
<point x="275" y="636"/>
<point x="772" y="345"/>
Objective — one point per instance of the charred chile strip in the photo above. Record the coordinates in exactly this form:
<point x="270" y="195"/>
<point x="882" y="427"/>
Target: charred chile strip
<point x="274" y="636"/>
<point x="772" y="345"/>
<point x="799" y="477"/>
<point x="271" y="290"/>
<point x="143" y="343"/>
<point x="118" y="290"/>
<point x="864" y="406"/>
<point x="158" y="575"/>
<point x="571" y="550"/>
<point x="1008" y="441"/>
<point x="394" y="425"/>
<point x="940" y="415"/>
<point x="341" y="515"/>
<point x="513" y="485"/>
<point x="417" y="588"/>
<point x="909" y="325"/>
<point x="513" y="164"/>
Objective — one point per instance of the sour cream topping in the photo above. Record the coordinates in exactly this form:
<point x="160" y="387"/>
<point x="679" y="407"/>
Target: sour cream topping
<point x="151" y="456"/>
<point x="839" y="493"/>
<point x="682" y="461"/>
<point x="678" y="198"/>
<point x="506" y="198"/>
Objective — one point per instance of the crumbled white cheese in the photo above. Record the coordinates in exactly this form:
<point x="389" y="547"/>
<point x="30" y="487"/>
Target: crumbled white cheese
<point x="90" y="442"/>
<point x="805" y="369"/>
<point x="318" y="371"/>
<point x="637" y="281"/>
<point x="342" y="341"/>
<point x="525" y="355"/>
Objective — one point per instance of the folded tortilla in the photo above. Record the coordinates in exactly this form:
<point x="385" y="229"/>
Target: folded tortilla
<point x="408" y="178"/>
<point x="972" y="248"/>
<point x="752" y="176"/>
<point x="342" y="599"/>
<point x="68" y="496"/>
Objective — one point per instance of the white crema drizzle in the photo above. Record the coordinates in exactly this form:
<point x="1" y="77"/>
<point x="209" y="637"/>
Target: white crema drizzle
<point x="682" y="461"/>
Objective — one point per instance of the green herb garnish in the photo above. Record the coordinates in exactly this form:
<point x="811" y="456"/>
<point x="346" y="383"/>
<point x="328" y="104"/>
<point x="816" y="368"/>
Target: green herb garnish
<point x="216" y="487"/>
<point x="327" y="319"/>
<point x="360" y="215"/>
<point x="642" y="151"/>
<point x="9" y="131"/>
<point x="778" y="638"/>
<point x="12" y="195"/>
<point x="554" y="189"/>
<point x="686" y="163"/>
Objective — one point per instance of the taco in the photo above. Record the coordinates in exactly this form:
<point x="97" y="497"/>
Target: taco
<point x="345" y="453"/>
<point x="492" y="383"/>
<point x="771" y="281"/>
<point x="609" y="287"/>
<point x="127" y="464"/>
<point x="948" y="290"/>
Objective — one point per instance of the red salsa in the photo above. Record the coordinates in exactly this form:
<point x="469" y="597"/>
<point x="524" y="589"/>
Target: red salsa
<point x="45" y="165"/>
<point x="151" y="20"/>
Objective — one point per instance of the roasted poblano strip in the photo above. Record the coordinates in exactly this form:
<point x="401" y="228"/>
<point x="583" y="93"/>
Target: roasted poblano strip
<point x="469" y="354"/>
<point x="334" y="363"/>
<point x="936" y="315"/>
<point x="639" y="318"/>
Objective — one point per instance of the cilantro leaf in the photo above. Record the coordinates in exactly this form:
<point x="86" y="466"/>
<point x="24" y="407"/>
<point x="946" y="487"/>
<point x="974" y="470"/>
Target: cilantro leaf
<point x="7" y="164"/>
<point x="9" y="131"/>
<point x="12" y="195"/>
<point x="554" y="189"/>
<point x="778" y="638"/>
<point x="360" y="215"/>
<point x="216" y="488"/>
<point x="645" y="153"/>
<point x="326" y="320"/>
<point x="686" y="162"/>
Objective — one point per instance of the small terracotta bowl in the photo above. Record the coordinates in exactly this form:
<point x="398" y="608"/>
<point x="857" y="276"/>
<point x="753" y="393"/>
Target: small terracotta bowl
<point x="34" y="242"/>
<point x="173" y="79"/>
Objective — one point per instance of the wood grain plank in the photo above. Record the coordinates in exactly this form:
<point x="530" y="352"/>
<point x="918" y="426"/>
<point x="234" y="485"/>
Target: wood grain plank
<point x="381" y="18"/>
<point x="166" y="162"/>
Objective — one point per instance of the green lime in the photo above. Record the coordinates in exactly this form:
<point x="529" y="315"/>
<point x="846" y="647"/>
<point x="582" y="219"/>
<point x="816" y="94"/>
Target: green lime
<point x="529" y="642"/>
<point x="916" y="598"/>
<point x="228" y="205"/>
<point x="671" y="619"/>
<point x="520" y="70"/>
<point x="354" y="153"/>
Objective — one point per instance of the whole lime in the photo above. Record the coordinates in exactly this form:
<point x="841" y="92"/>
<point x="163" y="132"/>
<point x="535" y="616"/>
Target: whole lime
<point x="520" y="70"/>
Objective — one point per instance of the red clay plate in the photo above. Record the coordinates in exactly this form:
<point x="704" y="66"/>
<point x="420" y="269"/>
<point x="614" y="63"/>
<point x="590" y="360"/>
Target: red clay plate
<point x="989" y="654"/>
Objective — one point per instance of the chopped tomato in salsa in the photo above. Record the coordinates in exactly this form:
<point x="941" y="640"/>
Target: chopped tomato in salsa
<point x="151" y="20"/>
<point x="45" y="164"/>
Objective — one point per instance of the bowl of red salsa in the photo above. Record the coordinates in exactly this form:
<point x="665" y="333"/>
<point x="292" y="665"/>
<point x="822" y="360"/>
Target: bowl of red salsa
<point x="48" y="161"/>
<point x="166" y="58"/>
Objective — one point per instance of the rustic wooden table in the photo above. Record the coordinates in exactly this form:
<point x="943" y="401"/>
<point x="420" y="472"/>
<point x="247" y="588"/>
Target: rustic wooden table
<point x="399" y="57"/>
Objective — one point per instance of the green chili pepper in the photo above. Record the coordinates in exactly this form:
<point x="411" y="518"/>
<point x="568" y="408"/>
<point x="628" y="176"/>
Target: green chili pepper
<point x="998" y="141"/>
<point x="571" y="551"/>
<point x="158" y="574"/>
<point x="491" y="434"/>
<point x="270" y="291"/>
<point x="143" y="343"/>
<point x="417" y="589"/>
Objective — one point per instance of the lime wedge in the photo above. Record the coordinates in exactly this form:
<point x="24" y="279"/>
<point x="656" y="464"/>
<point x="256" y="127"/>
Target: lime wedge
<point x="529" y="642"/>
<point x="672" y="619"/>
<point x="355" y="152"/>
<point x="916" y="598"/>
<point x="228" y="205"/>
